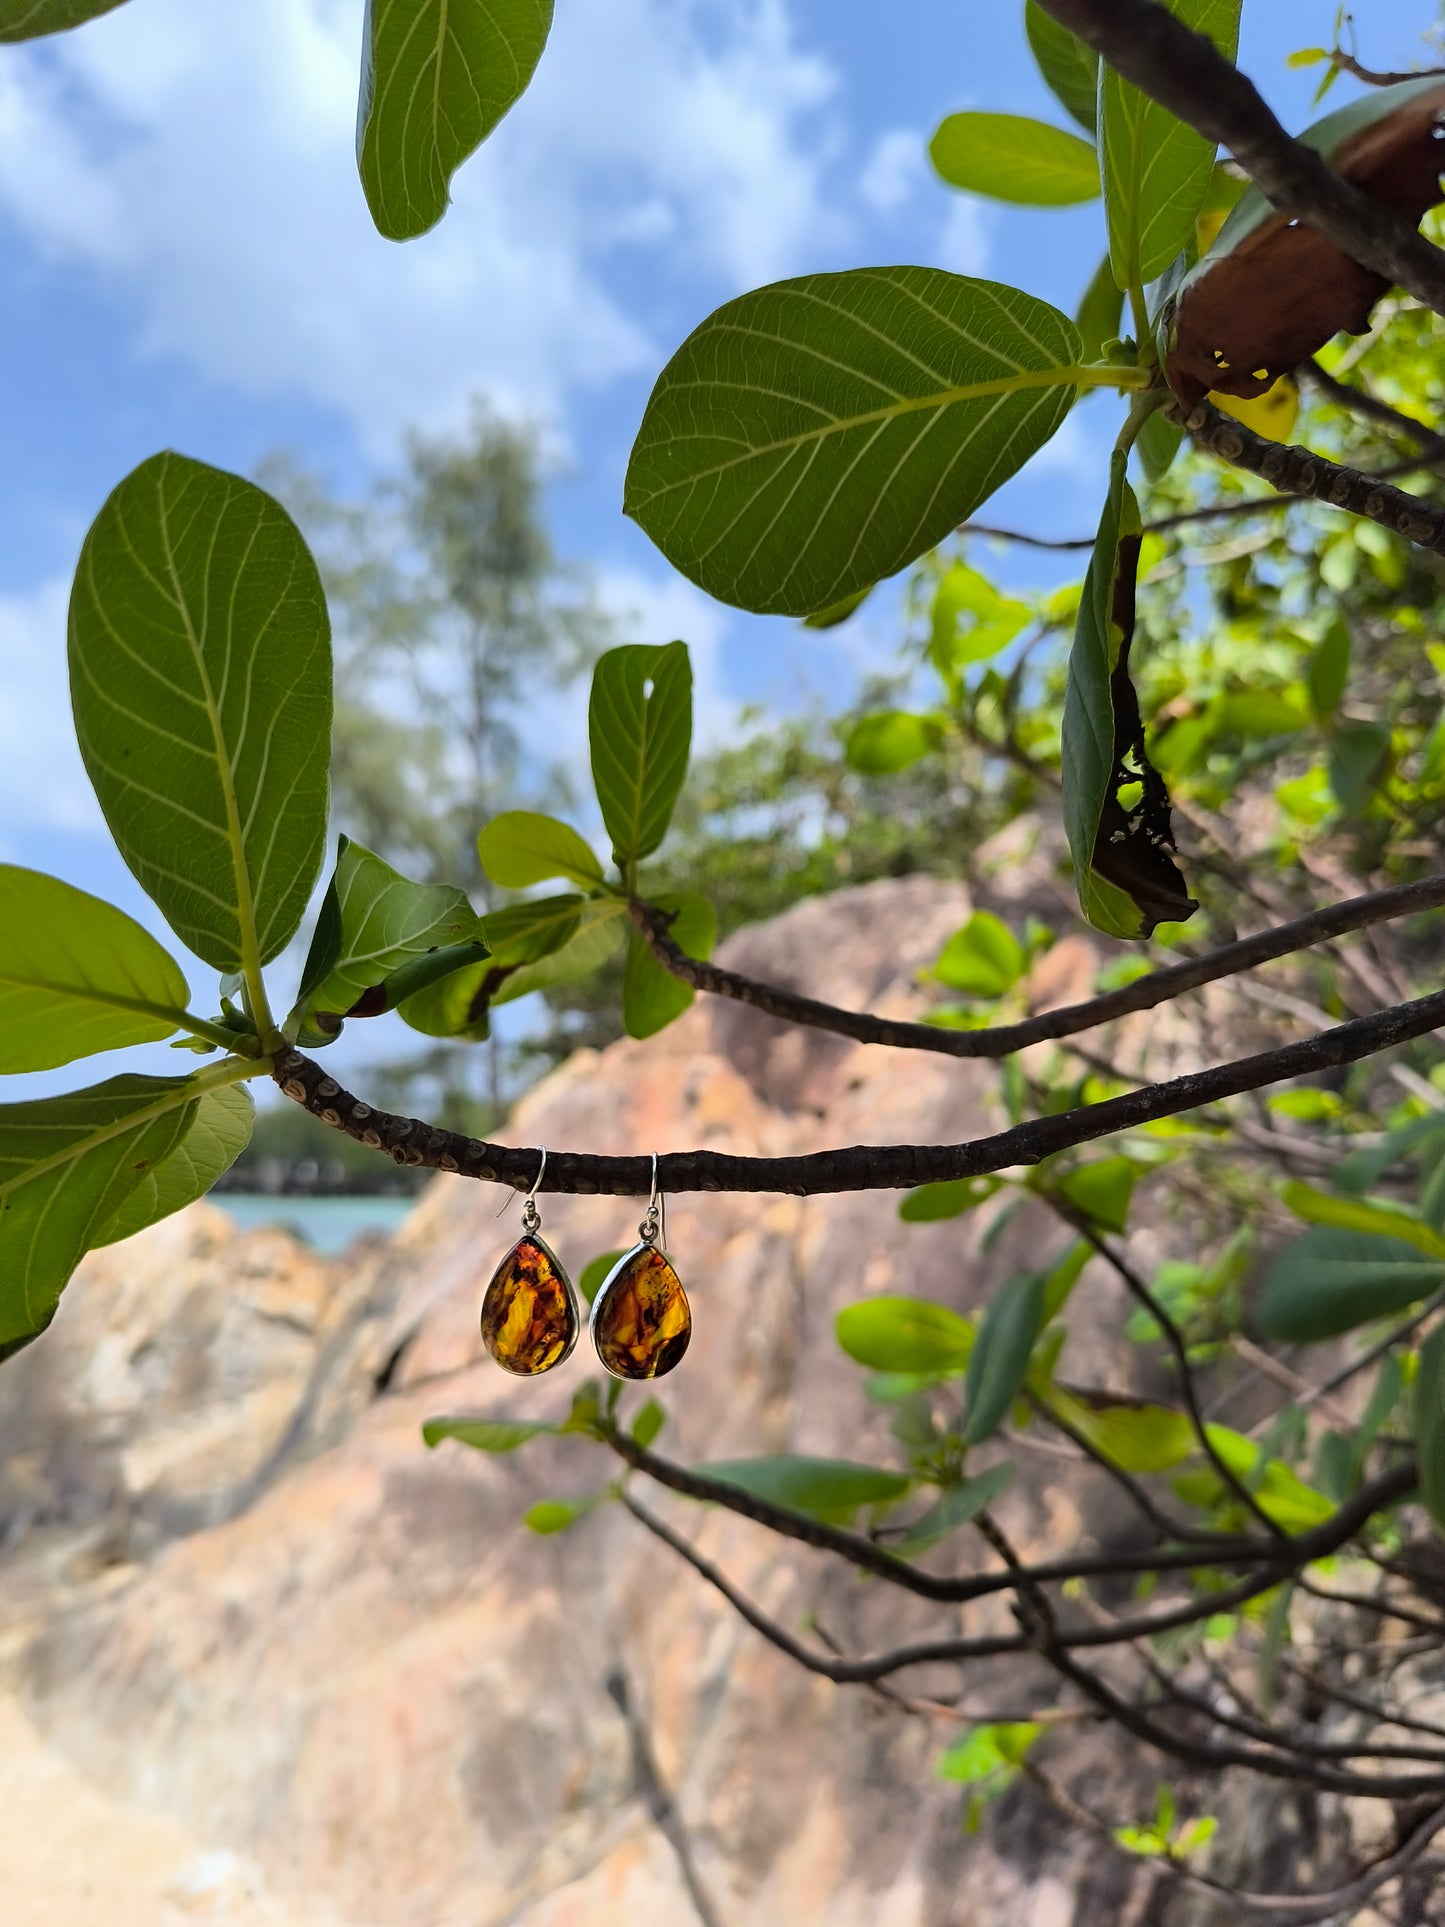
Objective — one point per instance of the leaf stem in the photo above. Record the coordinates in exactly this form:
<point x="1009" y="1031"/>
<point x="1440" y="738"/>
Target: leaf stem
<point x="232" y="1041"/>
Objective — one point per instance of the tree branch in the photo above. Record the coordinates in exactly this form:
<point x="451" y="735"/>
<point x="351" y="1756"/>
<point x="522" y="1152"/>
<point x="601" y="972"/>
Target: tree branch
<point x="1001" y="1040"/>
<point x="1186" y="73"/>
<point x="860" y="1167"/>
<point x="1299" y="472"/>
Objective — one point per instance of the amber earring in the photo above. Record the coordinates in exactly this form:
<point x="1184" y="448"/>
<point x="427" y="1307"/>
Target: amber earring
<point x="640" y="1321"/>
<point x="530" y="1319"/>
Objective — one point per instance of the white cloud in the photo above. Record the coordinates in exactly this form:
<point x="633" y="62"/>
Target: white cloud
<point x="893" y="171"/>
<point x="43" y="784"/>
<point x="963" y="241"/>
<point x="197" y="156"/>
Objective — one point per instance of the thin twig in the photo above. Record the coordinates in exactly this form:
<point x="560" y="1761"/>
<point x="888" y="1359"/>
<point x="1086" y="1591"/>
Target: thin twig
<point x="1002" y="1040"/>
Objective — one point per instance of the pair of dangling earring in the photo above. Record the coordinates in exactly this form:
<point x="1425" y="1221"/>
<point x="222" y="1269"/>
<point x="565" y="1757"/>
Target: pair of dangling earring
<point x="640" y="1322"/>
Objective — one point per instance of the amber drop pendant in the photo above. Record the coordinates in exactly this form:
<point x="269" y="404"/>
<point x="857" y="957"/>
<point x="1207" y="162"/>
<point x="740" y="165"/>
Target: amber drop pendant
<point x="641" y="1323"/>
<point x="530" y="1319"/>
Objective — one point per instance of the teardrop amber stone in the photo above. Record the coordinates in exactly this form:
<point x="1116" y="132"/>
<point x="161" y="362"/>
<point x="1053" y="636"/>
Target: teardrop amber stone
<point x="641" y="1323"/>
<point x="529" y="1315"/>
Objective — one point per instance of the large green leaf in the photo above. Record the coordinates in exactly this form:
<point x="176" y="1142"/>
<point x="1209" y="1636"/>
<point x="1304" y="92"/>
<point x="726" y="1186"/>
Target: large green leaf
<point x="76" y="975"/>
<point x="1012" y="158"/>
<point x="67" y="1166"/>
<point x="894" y="1334"/>
<point x="1429" y="1412"/>
<point x="28" y="19"/>
<point x="814" y="436"/>
<point x="651" y="996"/>
<point x="436" y="77"/>
<point x="1156" y="171"/>
<point x="1331" y="1280"/>
<point x="1068" y="64"/>
<point x="639" y="724"/>
<point x="215" y="1138"/>
<point x="826" y="1488"/>
<point x="200" y="676"/>
<point x="1001" y="1354"/>
<point x="1126" y="879"/>
<point x="520" y="848"/>
<point x="382" y="923"/>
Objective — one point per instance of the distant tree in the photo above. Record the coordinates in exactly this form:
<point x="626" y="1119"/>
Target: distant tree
<point x="450" y="608"/>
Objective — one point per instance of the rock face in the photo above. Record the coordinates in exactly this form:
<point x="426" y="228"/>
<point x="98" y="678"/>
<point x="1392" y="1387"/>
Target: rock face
<point x="258" y="1605"/>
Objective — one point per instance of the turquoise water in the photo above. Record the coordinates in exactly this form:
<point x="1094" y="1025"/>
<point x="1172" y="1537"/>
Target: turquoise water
<point x="327" y="1224"/>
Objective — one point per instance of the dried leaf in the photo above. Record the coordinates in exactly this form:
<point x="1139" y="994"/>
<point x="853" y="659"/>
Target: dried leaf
<point x="1271" y="291"/>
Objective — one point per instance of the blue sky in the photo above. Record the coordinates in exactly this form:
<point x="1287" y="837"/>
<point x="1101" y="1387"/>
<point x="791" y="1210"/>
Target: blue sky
<point x="188" y="262"/>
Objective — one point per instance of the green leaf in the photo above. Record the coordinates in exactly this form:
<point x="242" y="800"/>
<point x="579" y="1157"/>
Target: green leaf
<point x="1429" y="1403"/>
<point x="28" y="19"/>
<point x="1159" y="441"/>
<point x="1293" y="1505"/>
<point x="216" y="1137"/>
<point x="77" y="975"/>
<point x="839" y="612"/>
<point x="1125" y="878"/>
<point x="1101" y="314"/>
<point x="651" y="996"/>
<point x="1101" y="1190"/>
<point x="486" y="1434"/>
<point x="67" y="1166"/>
<point x="639" y="724"/>
<point x="891" y="740"/>
<point x="200" y="677"/>
<point x="436" y="77"/>
<point x="1355" y="1214"/>
<point x="1135" y="1437"/>
<point x="971" y="620"/>
<point x="1068" y="64"/>
<point x="1359" y="756"/>
<point x="1328" y="671"/>
<point x="1156" y="171"/>
<point x="648" y="1423"/>
<point x="948" y="1199"/>
<point x="984" y="958"/>
<point x="594" y="1273"/>
<point x="555" y="1515"/>
<point x="955" y="1506"/>
<point x="520" y="848"/>
<point x="1012" y="158"/>
<point x="892" y="1334"/>
<point x="816" y="436"/>
<point x="1001" y="1355"/>
<point x="382" y="923"/>
<point x="831" y="1489"/>
<point x="1329" y="1281"/>
<point x="598" y="933"/>
<point x="983" y="1750"/>
<point x="521" y="935"/>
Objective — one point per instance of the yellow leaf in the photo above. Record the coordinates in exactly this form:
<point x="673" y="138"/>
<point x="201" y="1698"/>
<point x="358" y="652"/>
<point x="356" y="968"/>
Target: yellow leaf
<point x="1272" y="414"/>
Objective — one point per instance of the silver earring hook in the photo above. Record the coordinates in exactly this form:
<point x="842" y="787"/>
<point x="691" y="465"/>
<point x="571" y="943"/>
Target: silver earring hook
<point x="655" y="1217"/>
<point x="531" y="1217"/>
